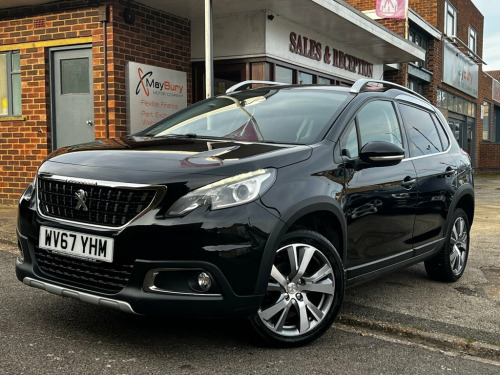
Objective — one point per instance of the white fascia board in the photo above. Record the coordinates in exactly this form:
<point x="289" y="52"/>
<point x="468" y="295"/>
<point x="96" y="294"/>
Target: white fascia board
<point x="424" y="25"/>
<point x="361" y="20"/>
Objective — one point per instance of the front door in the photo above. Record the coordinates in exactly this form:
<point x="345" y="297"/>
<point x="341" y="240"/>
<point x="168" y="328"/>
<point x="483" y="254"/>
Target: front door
<point x="72" y="96"/>
<point x="380" y="201"/>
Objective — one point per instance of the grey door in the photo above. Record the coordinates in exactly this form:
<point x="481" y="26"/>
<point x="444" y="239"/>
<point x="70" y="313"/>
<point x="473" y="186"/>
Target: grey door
<point x="72" y="97"/>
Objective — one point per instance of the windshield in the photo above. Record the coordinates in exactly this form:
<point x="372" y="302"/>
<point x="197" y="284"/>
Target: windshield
<point x="263" y="115"/>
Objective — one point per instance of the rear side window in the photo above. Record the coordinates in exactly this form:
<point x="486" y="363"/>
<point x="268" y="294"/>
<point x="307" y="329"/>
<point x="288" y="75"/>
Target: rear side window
<point x="442" y="133"/>
<point x="423" y="134"/>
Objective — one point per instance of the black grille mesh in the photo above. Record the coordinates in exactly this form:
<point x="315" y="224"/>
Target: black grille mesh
<point x="109" y="206"/>
<point x="109" y="277"/>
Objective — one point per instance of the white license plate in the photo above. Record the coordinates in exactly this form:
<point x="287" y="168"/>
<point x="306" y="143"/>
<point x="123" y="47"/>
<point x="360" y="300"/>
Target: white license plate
<point x="76" y="244"/>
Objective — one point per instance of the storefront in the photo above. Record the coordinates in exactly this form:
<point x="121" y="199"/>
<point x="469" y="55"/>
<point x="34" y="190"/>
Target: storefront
<point x="309" y="42"/>
<point x="84" y="70"/>
<point x="461" y="73"/>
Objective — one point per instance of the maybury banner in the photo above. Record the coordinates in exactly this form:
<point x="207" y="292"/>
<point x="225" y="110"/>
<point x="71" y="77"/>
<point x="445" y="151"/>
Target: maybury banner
<point x="391" y="8"/>
<point x="153" y="93"/>
<point x="459" y="71"/>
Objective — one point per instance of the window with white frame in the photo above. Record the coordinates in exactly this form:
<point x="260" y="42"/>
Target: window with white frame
<point x="420" y="40"/>
<point x="472" y="39"/>
<point x="450" y="19"/>
<point x="10" y="84"/>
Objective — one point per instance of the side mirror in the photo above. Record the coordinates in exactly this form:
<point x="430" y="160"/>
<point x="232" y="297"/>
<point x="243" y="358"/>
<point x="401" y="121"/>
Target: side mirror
<point x="381" y="154"/>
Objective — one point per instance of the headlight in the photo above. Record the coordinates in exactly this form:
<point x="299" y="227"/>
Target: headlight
<point x="228" y="192"/>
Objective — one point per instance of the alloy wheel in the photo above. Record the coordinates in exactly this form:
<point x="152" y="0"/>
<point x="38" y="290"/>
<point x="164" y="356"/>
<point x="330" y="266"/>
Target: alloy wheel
<point x="458" y="246"/>
<point x="300" y="292"/>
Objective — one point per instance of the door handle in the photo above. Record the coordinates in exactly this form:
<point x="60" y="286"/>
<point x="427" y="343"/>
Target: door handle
<point x="408" y="182"/>
<point x="89" y="123"/>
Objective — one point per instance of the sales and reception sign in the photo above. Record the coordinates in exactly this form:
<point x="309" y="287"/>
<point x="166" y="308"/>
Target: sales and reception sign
<point x="153" y="93"/>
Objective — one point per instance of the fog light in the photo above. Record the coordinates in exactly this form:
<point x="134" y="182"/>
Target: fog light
<point x="204" y="281"/>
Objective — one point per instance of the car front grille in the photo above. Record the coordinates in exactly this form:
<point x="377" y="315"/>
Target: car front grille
<point x="92" y="204"/>
<point x="107" y="277"/>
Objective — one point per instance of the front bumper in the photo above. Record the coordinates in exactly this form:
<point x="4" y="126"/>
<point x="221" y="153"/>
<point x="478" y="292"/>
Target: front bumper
<point x="227" y="244"/>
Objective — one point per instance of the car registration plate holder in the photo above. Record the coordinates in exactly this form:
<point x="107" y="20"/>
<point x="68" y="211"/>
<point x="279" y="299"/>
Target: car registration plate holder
<point x="76" y="244"/>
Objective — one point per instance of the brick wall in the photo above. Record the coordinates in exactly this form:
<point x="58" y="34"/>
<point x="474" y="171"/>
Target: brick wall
<point x="155" y="38"/>
<point x="489" y="152"/>
<point x="433" y="11"/>
<point x="494" y="73"/>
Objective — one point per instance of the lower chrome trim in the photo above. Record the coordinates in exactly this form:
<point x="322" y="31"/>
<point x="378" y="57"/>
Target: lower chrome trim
<point x="81" y="296"/>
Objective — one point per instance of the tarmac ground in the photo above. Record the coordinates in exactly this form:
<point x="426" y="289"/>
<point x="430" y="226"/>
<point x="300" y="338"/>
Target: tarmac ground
<point x="463" y="316"/>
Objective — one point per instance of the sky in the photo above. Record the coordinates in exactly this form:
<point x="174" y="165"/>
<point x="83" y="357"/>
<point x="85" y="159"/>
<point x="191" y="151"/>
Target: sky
<point x="491" y="38"/>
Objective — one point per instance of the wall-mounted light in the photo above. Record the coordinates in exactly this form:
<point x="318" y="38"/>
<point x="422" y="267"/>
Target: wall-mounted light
<point x="128" y="13"/>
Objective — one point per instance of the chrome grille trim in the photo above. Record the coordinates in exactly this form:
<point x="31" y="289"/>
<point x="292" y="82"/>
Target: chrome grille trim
<point x="107" y="197"/>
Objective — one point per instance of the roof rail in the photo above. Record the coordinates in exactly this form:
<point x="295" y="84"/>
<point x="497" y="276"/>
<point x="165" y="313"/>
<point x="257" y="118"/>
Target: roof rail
<point x="361" y="86"/>
<point x="245" y="84"/>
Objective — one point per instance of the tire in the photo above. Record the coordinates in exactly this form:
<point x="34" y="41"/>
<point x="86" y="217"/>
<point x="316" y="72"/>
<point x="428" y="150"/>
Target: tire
<point x="304" y="293"/>
<point x="449" y="264"/>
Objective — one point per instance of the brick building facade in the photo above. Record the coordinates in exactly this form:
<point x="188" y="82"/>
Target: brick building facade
<point x="252" y="42"/>
<point x="154" y="38"/>
<point x="473" y="115"/>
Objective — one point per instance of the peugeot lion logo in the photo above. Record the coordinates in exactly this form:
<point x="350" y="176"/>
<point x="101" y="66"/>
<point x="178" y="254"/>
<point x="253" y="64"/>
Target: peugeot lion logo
<point x="81" y="195"/>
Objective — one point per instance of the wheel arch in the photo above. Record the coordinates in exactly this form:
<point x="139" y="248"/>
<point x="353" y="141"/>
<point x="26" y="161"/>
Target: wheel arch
<point x="320" y="214"/>
<point x="464" y="200"/>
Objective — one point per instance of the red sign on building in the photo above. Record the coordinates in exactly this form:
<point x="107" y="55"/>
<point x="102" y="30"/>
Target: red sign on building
<point x="391" y="8"/>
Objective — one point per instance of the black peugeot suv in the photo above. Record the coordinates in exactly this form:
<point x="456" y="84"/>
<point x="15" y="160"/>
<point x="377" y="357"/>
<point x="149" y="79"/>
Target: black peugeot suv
<point x="264" y="203"/>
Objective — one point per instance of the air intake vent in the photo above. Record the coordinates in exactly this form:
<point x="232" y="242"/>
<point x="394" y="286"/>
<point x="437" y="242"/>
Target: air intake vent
<point x="39" y="23"/>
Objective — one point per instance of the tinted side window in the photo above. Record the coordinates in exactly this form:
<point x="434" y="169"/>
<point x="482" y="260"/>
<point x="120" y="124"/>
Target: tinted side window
<point x="423" y="136"/>
<point x="377" y="121"/>
<point x="442" y="133"/>
<point x="350" y="141"/>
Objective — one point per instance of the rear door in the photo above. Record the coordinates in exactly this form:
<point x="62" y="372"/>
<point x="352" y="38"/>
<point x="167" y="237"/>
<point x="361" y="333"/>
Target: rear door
<point x="436" y="175"/>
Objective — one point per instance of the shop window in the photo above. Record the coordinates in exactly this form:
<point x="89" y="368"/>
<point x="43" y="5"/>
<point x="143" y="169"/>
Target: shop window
<point x="305" y="78"/>
<point x="283" y="74"/>
<point x="450" y="21"/>
<point x="325" y="81"/>
<point x="486" y="121"/>
<point x="472" y="39"/>
<point x="455" y="103"/>
<point x="10" y="84"/>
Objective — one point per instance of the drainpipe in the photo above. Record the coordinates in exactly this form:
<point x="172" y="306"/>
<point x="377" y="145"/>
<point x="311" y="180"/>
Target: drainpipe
<point x="104" y="18"/>
<point x="209" y="65"/>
